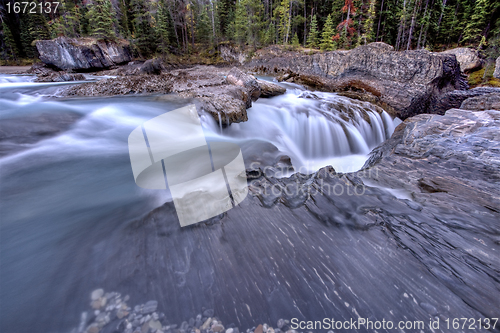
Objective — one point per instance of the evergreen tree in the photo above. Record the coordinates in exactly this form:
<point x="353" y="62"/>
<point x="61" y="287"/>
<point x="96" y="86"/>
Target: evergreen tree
<point x="477" y="23"/>
<point x="369" y="35"/>
<point x="162" y="27"/>
<point x="33" y="27"/>
<point x="101" y="18"/>
<point x="283" y="13"/>
<point x="144" y="36"/>
<point x="10" y="47"/>
<point x="327" y="43"/>
<point x="240" y="24"/>
<point x="313" y="38"/>
<point x="295" y="40"/>
<point x="204" y="27"/>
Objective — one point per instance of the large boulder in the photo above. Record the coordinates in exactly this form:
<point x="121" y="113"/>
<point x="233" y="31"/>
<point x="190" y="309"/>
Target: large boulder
<point x="483" y="102"/>
<point x="469" y="59"/>
<point x="83" y="54"/>
<point x="454" y="99"/>
<point x="406" y="81"/>
<point x="255" y="88"/>
<point x="497" y="69"/>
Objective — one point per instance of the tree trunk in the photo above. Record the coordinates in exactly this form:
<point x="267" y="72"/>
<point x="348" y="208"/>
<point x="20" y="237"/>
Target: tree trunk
<point x="379" y="19"/>
<point x="422" y="25"/>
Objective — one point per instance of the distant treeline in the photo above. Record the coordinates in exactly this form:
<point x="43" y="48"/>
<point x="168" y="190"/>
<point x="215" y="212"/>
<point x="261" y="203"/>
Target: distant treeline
<point x="164" y="26"/>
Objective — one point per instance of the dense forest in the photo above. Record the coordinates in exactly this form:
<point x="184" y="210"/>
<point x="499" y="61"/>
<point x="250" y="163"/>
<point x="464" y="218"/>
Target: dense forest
<point x="181" y="26"/>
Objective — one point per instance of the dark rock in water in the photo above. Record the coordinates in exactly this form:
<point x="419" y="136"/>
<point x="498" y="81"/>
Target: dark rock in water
<point x="208" y="313"/>
<point x="496" y="73"/>
<point x="468" y="58"/>
<point x="407" y="81"/>
<point x="17" y="134"/>
<point x="455" y="98"/>
<point x="47" y="74"/>
<point x="247" y="81"/>
<point x="136" y="84"/>
<point x="83" y="54"/>
<point x="149" y="307"/>
<point x="483" y="102"/>
<point x="268" y="89"/>
<point x="152" y="66"/>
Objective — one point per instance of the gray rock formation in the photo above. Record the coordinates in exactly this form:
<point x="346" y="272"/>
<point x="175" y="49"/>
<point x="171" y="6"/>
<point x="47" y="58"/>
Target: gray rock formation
<point x="482" y="102"/>
<point x="454" y="99"/>
<point x="46" y="74"/>
<point x="497" y="69"/>
<point x="22" y="132"/>
<point x="230" y="54"/>
<point x="83" y="54"/>
<point x="225" y="99"/>
<point x="407" y="81"/>
<point x="255" y="88"/>
<point x="425" y="251"/>
<point x="469" y="59"/>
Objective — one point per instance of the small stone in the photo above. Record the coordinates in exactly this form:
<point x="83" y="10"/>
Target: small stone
<point x="259" y="329"/>
<point x="96" y="294"/>
<point x="229" y="330"/>
<point x="150" y="307"/>
<point x="145" y="328"/>
<point x="155" y="325"/>
<point x="121" y="313"/>
<point x="206" y="324"/>
<point x="155" y="316"/>
<point x="217" y="328"/>
<point x="93" y="328"/>
<point x="208" y="313"/>
<point x="281" y="323"/>
<point x="96" y="304"/>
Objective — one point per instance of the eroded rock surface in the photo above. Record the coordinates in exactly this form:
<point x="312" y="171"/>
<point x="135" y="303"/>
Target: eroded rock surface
<point x="496" y="73"/>
<point x="424" y="249"/>
<point x="83" y="54"/>
<point x="455" y="98"/>
<point x="483" y="102"/>
<point x="469" y="59"/>
<point x="407" y="81"/>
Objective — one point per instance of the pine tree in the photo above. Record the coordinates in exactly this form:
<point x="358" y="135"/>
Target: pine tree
<point x="313" y="38"/>
<point x="144" y="36"/>
<point x="10" y="51"/>
<point x="295" y="41"/>
<point x="101" y="18"/>
<point x="283" y="13"/>
<point x="162" y="27"/>
<point x="369" y="35"/>
<point x="327" y="43"/>
<point x="33" y="27"/>
<point x="204" y="28"/>
<point x="477" y="23"/>
<point x="240" y="24"/>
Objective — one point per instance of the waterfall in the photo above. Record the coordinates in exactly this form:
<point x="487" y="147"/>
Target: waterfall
<point x="314" y="128"/>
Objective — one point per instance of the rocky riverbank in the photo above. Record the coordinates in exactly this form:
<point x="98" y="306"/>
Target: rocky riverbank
<point x="110" y="312"/>
<point x="407" y="82"/>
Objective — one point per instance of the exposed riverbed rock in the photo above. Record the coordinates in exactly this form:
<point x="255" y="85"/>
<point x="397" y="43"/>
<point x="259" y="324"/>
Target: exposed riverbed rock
<point x="230" y="54"/>
<point x="408" y="81"/>
<point x="455" y="98"/>
<point x="421" y="219"/>
<point x="83" y="54"/>
<point x="469" y="59"/>
<point x="483" y="102"/>
<point x="255" y="88"/>
<point x="20" y="133"/>
<point x="136" y="84"/>
<point x="496" y="73"/>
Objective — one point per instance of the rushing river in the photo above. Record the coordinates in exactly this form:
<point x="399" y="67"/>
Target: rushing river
<point x="64" y="196"/>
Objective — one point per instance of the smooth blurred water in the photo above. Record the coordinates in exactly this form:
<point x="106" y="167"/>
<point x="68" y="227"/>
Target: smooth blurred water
<point x="76" y="188"/>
